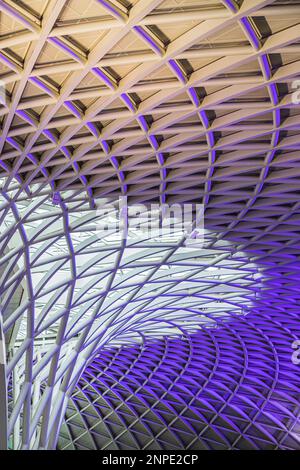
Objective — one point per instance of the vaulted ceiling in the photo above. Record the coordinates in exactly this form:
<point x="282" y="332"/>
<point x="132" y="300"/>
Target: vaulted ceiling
<point x="158" y="100"/>
<point x="179" y="99"/>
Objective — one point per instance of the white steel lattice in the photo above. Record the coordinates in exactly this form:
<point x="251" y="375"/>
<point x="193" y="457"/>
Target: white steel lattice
<point x="68" y="289"/>
<point x="165" y="100"/>
<point x="177" y="99"/>
<point x="231" y="387"/>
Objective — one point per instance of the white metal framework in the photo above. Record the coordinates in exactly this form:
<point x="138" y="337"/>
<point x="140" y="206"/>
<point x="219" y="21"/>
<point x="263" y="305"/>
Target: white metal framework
<point x="68" y="289"/>
<point x="231" y="387"/>
<point x="185" y="99"/>
<point x="168" y="100"/>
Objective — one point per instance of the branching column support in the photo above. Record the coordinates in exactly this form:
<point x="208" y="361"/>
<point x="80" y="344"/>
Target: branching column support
<point x="3" y="390"/>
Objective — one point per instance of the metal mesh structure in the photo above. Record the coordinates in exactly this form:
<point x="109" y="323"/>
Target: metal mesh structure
<point x="181" y="99"/>
<point x="109" y="341"/>
<point x="79" y="288"/>
<point x="231" y="387"/>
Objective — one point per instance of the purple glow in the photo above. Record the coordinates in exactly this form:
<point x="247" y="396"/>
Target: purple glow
<point x="147" y="38"/>
<point x="229" y="373"/>
<point x="4" y="165"/>
<point x="44" y="171"/>
<point x="254" y="39"/>
<point x="153" y="142"/>
<point x="166" y="346"/>
<point x="50" y="136"/>
<point x="5" y="59"/>
<point x="277" y="117"/>
<point x="75" y="166"/>
<point x="62" y="45"/>
<point x="276" y="138"/>
<point x="115" y="162"/>
<point x="143" y="123"/>
<point x="110" y="7"/>
<point x="26" y="116"/>
<point x="178" y="71"/>
<point x="13" y="143"/>
<point x="204" y="119"/>
<point x="104" y="77"/>
<point x="73" y="108"/>
<point x="66" y="151"/>
<point x="41" y="84"/>
<point x="105" y="146"/>
<point x="231" y="4"/>
<point x="160" y="158"/>
<point x="126" y="98"/>
<point x="32" y="158"/>
<point x="213" y="158"/>
<point x="274" y="93"/>
<point x="93" y="128"/>
<point x="211" y="140"/>
<point x="194" y="96"/>
<point x="266" y="65"/>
